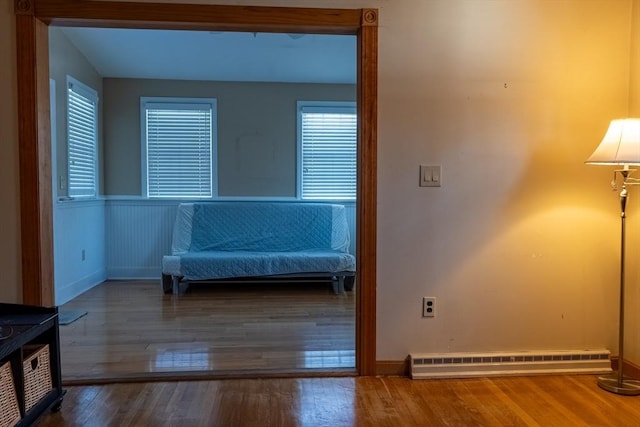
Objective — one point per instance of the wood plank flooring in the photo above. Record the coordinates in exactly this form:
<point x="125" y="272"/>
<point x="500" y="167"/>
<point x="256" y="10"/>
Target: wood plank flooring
<point x="365" y="401"/>
<point x="132" y="329"/>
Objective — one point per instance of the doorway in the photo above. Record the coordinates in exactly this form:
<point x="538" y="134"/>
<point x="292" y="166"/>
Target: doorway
<point x="32" y="20"/>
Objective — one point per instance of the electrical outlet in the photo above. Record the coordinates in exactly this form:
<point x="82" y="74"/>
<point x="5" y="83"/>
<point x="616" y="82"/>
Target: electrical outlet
<point x="429" y="307"/>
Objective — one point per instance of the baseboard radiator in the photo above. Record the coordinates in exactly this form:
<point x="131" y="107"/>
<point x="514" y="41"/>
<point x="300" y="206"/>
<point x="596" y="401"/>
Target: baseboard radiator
<point x="462" y="365"/>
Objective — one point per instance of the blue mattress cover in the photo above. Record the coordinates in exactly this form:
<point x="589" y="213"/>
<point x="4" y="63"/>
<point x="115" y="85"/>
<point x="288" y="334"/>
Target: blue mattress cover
<point x="249" y="239"/>
<point x="268" y="227"/>
<point x="224" y="264"/>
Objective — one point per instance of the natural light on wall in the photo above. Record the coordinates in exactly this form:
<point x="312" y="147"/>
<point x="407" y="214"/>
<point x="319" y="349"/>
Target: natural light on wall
<point x="82" y="123"/>
<point x="328" y="144"/>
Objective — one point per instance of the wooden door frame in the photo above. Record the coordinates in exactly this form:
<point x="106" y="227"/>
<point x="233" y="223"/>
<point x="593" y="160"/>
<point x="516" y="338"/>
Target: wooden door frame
<point x="32" y="20"/>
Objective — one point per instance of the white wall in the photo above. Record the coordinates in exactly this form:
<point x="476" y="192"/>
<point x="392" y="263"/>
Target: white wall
<point x="79" y="247"/>
<point x="79" y="225"/>
<point x="520" y="245"/>
<point x="138" y="236"/>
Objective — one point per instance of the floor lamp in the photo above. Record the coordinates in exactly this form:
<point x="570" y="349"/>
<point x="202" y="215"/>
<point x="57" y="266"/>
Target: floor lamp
<point x="620" y="146"/>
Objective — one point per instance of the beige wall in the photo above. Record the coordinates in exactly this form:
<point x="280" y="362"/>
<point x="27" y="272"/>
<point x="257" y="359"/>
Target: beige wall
<point x="634" y="81"/>
<point x="632" y="306"/>
<point x="520" y="244"/>
<point x="66" y="60"/>
<point x="256" y="131"/>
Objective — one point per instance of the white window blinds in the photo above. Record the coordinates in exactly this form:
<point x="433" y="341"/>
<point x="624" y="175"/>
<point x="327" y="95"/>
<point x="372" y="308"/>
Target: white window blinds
<point x="82" y="122"/>
<point x="178" y="136"/>
<point x="328" y="141"/>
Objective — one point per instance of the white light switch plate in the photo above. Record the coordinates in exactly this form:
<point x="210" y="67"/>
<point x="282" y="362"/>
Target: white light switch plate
<point x="430" y="176"/>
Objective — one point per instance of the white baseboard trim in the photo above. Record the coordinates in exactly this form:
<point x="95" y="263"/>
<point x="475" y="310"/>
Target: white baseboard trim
<point x="66" y="292"/>
<point x="128" y="273"/>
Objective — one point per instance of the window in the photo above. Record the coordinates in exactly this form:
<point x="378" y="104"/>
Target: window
<point x="178" y="147"/>
<point x="327" y="143"/>
<point x="82" y="125"/>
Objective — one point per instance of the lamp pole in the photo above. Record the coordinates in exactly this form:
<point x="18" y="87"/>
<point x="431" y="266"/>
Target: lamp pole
<point x="620" y="146"/>
<point x="617" y="383"/>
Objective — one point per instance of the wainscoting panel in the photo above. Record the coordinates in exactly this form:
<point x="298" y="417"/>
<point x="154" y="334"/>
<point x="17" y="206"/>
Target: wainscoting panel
<point x="139" y="234"/>
<point x="79" y="247"/>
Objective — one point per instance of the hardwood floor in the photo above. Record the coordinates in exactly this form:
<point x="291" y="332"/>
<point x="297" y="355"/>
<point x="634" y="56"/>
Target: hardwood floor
<point x="133" y="330"/>
<point x="365" y="401"/>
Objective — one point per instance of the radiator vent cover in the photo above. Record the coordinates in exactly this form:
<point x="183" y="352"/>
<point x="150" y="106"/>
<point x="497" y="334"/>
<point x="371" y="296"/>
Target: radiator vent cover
<point x="462" y="365"/>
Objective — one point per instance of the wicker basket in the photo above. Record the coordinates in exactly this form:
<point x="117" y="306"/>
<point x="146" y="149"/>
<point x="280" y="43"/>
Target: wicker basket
<point x="37" y="374"/>
<point x="9" y="410"/>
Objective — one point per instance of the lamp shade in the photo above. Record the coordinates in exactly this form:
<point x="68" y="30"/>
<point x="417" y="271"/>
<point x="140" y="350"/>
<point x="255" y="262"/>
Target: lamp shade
<point x="620" y="145"/>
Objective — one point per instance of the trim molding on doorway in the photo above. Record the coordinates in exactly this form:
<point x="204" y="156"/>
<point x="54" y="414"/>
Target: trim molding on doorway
<point x="32" y="20"/>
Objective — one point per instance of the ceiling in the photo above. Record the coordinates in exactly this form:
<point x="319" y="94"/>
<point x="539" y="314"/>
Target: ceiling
<point x="214" y="55"/>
